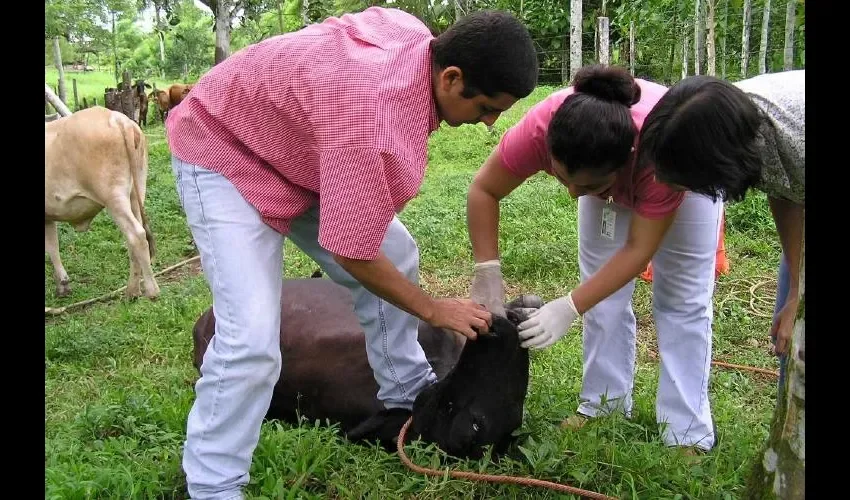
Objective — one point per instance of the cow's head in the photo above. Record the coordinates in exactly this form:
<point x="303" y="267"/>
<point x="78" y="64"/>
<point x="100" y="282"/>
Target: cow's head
<point x="139" y="87"/>
<point x="478" y="403"/>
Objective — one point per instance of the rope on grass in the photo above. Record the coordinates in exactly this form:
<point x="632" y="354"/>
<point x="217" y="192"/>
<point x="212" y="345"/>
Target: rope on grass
<point x="753" y="284"/>
<point x="490" y="478"/>
<point x="55" y="311"/>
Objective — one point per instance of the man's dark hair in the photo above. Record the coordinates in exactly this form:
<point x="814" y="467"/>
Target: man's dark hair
<point x="702" y="135"/>
<point x="493" y="49"/>
<point x="593" y="128"/>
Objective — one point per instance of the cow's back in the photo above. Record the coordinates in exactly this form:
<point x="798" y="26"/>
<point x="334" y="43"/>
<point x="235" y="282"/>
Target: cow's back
<point x="85" y="156"/>
<point x="326" y="374"/>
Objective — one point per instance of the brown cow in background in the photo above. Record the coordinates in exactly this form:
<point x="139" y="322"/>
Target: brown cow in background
<point x="176" y="93"/>
<point x="162" y="103"/>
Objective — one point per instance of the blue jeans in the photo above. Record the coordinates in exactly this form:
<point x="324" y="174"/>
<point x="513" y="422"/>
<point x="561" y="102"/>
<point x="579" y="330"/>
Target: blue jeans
<point x="242" y="259"/>
<point x="783" y="283"/>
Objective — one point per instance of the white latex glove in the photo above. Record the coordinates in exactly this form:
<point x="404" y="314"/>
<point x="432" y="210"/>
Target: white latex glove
<point x="487" y="286"/>
<point x="548" y="324"/>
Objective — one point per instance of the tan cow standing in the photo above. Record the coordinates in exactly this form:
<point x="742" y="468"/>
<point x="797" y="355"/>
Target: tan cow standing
<point x="94" y="159"/>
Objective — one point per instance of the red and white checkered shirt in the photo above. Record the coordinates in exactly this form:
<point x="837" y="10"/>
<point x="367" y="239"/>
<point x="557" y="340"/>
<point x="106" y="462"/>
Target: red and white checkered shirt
<point x="339" y="112"/>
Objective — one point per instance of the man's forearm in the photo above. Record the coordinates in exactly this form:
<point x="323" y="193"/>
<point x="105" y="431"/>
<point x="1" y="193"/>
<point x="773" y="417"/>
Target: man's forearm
<point x="381" y="277"/>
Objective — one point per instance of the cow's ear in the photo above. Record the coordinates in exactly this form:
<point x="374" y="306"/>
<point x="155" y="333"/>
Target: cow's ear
<point x="525" y="301"/>
<point x="383" y="428"/>
<point x="148" y="86"/>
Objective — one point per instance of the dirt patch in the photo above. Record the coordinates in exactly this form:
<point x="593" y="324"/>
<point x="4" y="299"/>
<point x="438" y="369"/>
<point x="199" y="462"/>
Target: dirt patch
<point x="188" y="270"/>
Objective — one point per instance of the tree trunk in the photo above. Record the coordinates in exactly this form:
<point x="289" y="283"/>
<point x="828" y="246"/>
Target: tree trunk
<point x="632" y="47"/>
<point x="765" y="33"/>
<point x="669" y="73"/>
<point x="57" y="61"/>
<point x="781" y="472"/>
<point x="575" y="37"/>
<point x="222" y="30"/>
<point x="280" y="15"/>
<point x="685" y="56"/>
<point x="462" y="8"/>
<point x="604" y="58"/>
<point x="161" y="36"/>
<point x="745" y="38"/>
<point x="710" y="44"/>
<point x="790" y="22"/>
<point x="699" y="38"/>
<point x="723" y="40"/>
<point x="115" y="49"/>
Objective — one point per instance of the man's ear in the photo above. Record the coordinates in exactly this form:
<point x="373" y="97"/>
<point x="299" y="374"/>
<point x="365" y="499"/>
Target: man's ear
<point x="450" y="77"/>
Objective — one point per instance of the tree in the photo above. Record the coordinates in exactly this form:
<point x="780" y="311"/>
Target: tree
<point x="190" y="41"/>
<point x="162" y="10"/>
<point x="781" y="470"/>
<point x="225" y="12"/>
<point x="69" y="20"/>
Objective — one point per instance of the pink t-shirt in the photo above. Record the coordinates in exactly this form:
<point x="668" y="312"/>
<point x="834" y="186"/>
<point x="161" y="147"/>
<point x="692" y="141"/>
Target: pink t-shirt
<point x="337" y="114"/>
<point x="523" y="152"/>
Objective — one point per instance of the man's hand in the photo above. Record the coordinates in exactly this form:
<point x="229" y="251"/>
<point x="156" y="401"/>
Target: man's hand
<point x="487" y="286"/>
<point x="548" y="324"/>
<point x="461" y="315"/>
<point x="380" y="277"/>
<point x="783" y="327"/>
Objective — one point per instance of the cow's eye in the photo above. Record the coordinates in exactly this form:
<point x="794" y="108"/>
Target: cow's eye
<point x="474" y="426"/>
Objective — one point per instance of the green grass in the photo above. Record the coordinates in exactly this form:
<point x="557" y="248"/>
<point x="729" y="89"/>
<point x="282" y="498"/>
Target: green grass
<point x="119" y="379"/>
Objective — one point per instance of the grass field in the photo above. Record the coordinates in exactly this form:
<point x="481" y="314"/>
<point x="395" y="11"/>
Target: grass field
<point x="119" y="379"/>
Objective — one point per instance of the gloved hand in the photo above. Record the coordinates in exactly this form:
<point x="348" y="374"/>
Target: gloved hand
<point x="548" y="324"/>
<point x="487" y="286"/>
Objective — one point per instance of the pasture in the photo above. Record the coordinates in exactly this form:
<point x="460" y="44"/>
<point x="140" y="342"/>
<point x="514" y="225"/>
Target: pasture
<point x="119" y="379"/>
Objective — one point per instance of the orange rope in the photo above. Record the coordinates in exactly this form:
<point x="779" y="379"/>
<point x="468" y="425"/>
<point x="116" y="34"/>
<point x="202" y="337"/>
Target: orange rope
<point x="775" y="373"/>
<point x="526" y="481"/>
<point x="522" y="481"/>
<point x="765" y="371"/>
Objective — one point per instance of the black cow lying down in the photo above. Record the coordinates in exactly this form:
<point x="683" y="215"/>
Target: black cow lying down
<point x="478" y="400"/>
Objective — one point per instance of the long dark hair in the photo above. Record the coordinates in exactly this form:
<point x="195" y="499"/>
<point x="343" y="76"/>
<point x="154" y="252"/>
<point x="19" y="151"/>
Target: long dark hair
<point x="593" y="128"/>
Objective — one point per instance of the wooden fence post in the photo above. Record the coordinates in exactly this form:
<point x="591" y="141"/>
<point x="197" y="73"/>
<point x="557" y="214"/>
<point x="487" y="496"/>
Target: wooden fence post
<point x="76" y="102"/>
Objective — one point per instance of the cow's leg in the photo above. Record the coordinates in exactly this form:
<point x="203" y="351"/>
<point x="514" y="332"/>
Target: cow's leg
<point x="120" y="209"/>
<point x="242" y="262"/>
<point x="682" y="291"/>
<point x="148" y="280"/>
<point x="398" y="361"/>
<point x="609" y="328"/>
<point x="51" y="246"/>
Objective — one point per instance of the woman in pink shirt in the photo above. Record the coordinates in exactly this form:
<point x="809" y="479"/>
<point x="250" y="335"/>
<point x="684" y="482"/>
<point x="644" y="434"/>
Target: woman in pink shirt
<point x="586" y="136"/>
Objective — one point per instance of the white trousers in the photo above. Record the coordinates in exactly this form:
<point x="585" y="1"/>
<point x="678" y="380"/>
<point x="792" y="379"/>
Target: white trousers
<point x="682" y="291"/>
<point x="242" y="258"/>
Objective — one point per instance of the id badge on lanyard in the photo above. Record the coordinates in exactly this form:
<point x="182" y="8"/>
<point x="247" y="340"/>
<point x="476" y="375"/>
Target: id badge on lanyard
<point x="609" y="218"/>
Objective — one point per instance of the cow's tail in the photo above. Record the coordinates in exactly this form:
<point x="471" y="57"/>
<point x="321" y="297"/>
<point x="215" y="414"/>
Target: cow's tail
<point x="137" y="152"/>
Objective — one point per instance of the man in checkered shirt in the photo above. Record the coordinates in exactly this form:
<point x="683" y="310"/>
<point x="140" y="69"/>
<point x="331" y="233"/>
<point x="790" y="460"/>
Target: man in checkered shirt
<point x="320" y="136"/>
